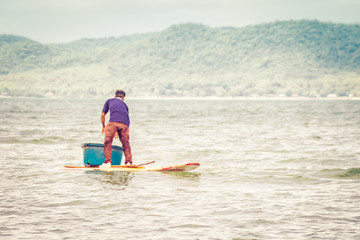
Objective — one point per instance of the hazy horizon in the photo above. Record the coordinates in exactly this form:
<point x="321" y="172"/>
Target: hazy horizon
<point x="66" y="21"/>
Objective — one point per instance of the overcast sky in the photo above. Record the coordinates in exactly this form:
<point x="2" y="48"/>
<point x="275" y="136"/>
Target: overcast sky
<point x="59" y="21"/>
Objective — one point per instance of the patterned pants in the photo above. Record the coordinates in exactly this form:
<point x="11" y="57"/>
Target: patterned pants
<point x="123" y="131"/>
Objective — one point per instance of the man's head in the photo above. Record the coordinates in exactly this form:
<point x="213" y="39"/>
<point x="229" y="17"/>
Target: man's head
<point x="120" y="94"/>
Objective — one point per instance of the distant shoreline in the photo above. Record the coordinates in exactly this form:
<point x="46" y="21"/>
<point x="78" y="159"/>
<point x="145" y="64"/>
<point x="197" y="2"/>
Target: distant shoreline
<point x="246" y="98"/>
<point x="278" y="60"/>
<point x="196" y="98"/>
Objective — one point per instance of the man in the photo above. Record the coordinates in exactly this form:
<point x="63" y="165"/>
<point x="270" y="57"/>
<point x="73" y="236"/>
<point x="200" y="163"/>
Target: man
<point x="119" y="123"/>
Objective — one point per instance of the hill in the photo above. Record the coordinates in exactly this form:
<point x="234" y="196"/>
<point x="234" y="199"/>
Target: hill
<point x="304" y="58"/>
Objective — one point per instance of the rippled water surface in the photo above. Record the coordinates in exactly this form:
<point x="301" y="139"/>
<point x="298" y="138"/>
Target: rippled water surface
<point x="269" y="170"/>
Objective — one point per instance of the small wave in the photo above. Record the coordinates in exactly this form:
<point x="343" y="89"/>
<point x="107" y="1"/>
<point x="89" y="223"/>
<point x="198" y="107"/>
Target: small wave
<point x="351" y="173"/>
<point x="47" y="140"/>
<point x="191" y="226"/>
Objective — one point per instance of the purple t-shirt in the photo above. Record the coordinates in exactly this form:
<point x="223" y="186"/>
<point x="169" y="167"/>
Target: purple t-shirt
<point x="119" y="111"/>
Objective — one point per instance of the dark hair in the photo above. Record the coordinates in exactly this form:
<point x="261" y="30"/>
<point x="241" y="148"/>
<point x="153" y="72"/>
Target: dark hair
<point x="120" y="93"/>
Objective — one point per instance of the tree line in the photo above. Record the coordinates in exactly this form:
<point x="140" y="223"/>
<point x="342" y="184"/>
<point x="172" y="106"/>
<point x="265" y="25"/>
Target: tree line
<point x="283" y="58"/>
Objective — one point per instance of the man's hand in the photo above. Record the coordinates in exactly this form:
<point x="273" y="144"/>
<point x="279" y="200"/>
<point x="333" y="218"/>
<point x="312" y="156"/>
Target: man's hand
<point x="103" y="122"/>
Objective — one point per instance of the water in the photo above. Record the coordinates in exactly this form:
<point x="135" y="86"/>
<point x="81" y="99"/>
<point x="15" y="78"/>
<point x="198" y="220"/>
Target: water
<point x="269" y="170"/>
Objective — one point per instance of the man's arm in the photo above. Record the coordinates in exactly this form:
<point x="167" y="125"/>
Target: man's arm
<point x="103" y="122"/>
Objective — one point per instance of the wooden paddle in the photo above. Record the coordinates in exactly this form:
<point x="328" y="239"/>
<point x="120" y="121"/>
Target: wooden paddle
<point x="146" y="163"/>
<point x="132" y="166"/>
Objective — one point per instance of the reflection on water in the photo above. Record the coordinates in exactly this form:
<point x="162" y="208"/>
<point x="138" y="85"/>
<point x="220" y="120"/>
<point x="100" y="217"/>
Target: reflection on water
<point x="124" y="178"/>
<point x="195" y="176"/>
<point x="113" y="178"/>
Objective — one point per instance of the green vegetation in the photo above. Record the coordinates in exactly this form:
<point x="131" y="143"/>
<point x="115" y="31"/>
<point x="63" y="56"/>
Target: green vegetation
<point x="287" y="58"/>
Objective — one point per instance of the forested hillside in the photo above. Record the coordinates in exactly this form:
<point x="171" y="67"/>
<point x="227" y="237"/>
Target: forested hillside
<point x="287" y="58"/>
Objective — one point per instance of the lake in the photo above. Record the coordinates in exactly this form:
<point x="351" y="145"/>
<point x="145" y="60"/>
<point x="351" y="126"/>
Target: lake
<point x="270" y="169"/>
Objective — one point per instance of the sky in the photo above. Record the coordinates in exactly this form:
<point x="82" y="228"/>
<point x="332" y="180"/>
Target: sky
<point x="61" y="21"/>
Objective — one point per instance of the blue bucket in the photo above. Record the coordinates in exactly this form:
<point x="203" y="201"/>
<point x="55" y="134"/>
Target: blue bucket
<point x="94" y="154"/>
